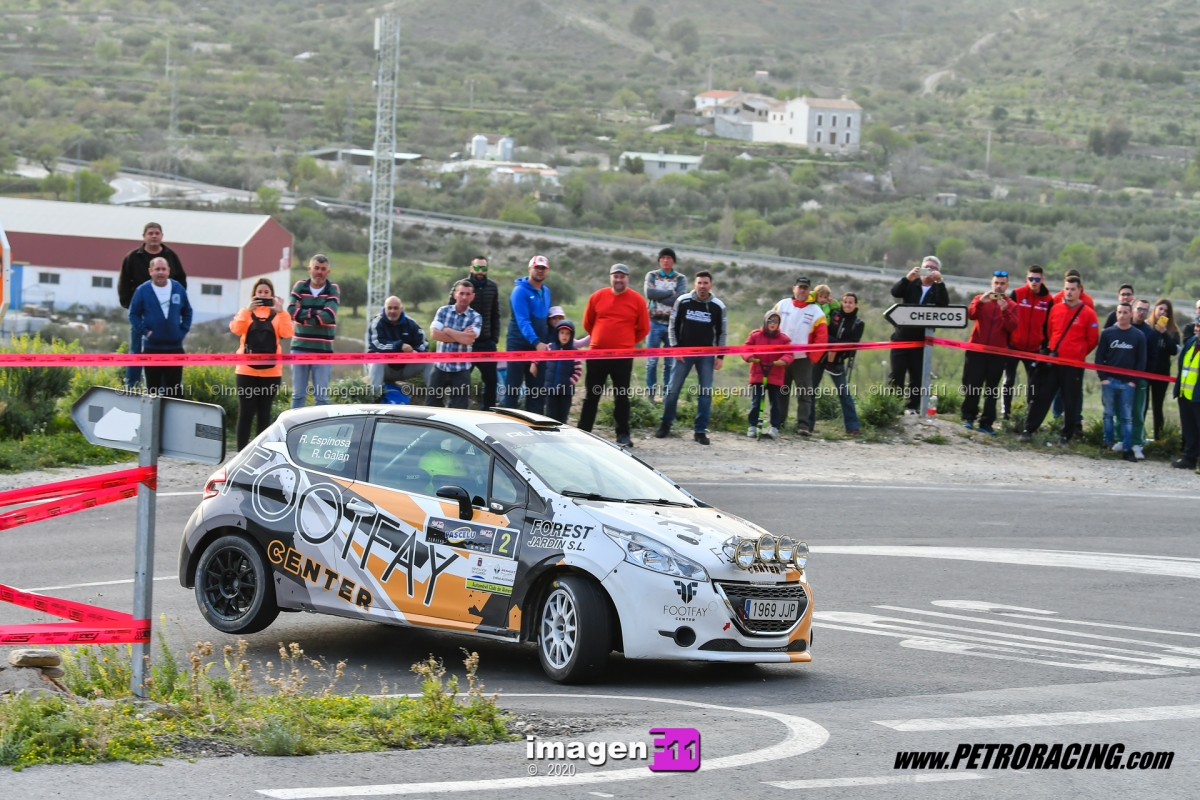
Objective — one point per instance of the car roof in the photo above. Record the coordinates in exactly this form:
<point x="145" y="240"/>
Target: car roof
<point x="467" y="420"/>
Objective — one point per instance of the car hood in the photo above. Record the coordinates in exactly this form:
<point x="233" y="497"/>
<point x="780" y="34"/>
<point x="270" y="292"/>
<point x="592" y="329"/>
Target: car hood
<point x="697" y="533"/>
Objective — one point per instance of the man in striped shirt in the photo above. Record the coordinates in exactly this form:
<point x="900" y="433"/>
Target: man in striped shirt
<point x="455" y="328"/>
<point x="314" y="308"/>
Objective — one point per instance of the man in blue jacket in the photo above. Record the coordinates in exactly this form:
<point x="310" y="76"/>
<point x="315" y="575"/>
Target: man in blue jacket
<point x="393" y="331"/>
<point x="529" y="329"/>
<point x="161" y="313"/>
<point x="1124" y="347"/>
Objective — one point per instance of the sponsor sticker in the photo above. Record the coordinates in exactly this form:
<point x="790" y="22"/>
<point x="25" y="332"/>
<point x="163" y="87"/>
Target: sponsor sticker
<point x="471" y="536"/>
<point x="493" y="575"/>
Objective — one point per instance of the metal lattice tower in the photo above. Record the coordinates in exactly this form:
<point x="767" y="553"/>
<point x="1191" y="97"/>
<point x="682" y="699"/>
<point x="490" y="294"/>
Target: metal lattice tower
<point x="383" y="169"/>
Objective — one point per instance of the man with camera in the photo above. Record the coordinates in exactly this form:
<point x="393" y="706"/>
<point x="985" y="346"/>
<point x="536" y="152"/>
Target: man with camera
<point x="995" y="318"/>
<point x="1073" y="331"/>
<point x="922" y="286"/>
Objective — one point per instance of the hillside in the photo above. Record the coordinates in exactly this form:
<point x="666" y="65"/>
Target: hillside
<point x="1091" y="108"/>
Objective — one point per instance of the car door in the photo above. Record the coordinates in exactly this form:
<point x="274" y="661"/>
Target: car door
<point x="435" y="568"/>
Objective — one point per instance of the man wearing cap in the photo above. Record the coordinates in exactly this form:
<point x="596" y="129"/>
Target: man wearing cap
<point x="529" y="329"/>
<point x="663" y="287"/>
<point x="487" y="303"/>
<point x="804" y="323"/>
<point x="616" y="317"/>
<point x="922" y="286"/>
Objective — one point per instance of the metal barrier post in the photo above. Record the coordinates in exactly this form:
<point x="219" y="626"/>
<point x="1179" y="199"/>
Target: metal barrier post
<point x="143" y="566"/>
<point x="926" y="372"/>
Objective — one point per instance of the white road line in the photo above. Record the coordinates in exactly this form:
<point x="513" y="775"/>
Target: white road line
<point x="983" y="605"/>
<point x="943" y="645"/>
<point x="908" y="487"/>
<point x="1116" y="715"/>
<point x="835" y="783"/>
<point x="803" y="736"/>
<point x="934" y="630"/>
<point x="1105" y="562"/>
<point x="179" y="494"/>
<point x="1106" y="625"/>
<point x="984" y="620"/>
<point x="97" y="583"/>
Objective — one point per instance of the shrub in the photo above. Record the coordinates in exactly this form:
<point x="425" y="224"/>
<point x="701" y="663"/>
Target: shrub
<point x="29" y="395"/>
<point x="881" y="408"/>
<point x="1168" y="444"/>
<point x="949" y="399"/>
<point x="214" y="384"/>
<point x="642" y="413"/>
<point x="828" y="407"/>
<point x="1093" y="432"/>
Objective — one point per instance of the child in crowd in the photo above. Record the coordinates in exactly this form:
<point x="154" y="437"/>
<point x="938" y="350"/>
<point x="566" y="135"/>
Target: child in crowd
<point x="557" y="315"/>
<point x="823" y="297"/>
<point x="561" y="376"/>
<point x="767" y="371"/>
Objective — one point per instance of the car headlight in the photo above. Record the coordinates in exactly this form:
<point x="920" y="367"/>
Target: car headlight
<point x="647" y="553"/>
<point x="800" y="559"/>
<point x="744" y="554"/>
<point x="766" y="548"/>
<point x="785" y="550"/>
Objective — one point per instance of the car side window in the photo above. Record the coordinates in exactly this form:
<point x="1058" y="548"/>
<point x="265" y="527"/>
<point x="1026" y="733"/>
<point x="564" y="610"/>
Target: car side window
<point x="329" y="446"/>
<point x="506" y="487"/>
<point x="420" y="460"/>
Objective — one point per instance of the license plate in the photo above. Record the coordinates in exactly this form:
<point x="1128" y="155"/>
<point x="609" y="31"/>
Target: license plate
<point x="771" y="609"/>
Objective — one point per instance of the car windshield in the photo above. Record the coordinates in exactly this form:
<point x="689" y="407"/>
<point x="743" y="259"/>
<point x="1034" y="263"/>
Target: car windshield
<point x="577" y="465"/>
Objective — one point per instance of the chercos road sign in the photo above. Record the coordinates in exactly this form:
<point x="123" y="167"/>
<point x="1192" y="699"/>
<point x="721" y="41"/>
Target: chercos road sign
<point x="188" y="430"/>
<point x="927" y="316"/>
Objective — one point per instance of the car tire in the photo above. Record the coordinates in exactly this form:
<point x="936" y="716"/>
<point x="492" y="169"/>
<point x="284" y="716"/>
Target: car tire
<point x="234" y="587"/>
<point x="574" y="630"/>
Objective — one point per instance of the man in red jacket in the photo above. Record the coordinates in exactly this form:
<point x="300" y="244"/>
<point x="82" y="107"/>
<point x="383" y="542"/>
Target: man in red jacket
<point x="617" y="317"/>
<point x="1084" y="296"/>
<point x="1033" y="301"/>
<point x="1073" y="333"/>
<point x="995" y="318"/>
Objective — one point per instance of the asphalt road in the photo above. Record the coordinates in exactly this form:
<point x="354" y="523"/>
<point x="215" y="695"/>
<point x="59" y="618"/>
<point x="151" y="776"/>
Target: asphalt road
<point x="942" y="611"/>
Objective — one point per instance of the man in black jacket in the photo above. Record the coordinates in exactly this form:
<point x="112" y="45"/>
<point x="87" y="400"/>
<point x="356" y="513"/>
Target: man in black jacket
<point x="844" y="328"/>
<point x="135" y="271"/>
<point x="697" y="320"/>
<point x="922" y="286"/>
<point x="487" y="303"/>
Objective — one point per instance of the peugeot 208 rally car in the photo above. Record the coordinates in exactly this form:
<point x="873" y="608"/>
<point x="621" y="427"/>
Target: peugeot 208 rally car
<point x="493" y="523"/>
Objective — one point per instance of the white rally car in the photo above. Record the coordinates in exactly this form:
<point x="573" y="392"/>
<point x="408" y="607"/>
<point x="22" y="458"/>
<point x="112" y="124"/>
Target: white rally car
<point x="492" y="523"/>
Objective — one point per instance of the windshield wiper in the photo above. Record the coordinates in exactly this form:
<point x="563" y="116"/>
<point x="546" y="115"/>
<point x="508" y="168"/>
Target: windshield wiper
<point x="592" y="496"/>
<point x="660" y="502"/>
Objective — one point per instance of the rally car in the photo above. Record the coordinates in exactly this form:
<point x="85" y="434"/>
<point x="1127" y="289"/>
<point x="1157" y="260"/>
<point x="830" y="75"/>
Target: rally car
<point x="496" y="523"/>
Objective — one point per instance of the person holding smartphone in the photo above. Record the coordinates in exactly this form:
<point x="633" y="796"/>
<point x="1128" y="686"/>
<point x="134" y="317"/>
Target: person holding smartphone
<point x="921" y="286"/>
<point x="995" y="319"/>
<point x="262" y="325"/>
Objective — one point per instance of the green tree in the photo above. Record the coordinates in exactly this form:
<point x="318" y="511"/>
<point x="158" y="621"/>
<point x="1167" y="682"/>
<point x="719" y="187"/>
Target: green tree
<point x="754" y="233"/>
<point x="414" y="287"/>
<point x="108" y="50"/>
<point x="263" y="113"/>
<point x="268" y="199"/>
<point x="1077" y="255"/>
<point x="47" y="155"/>
<point x="352" y="292"/>
<point x="643" y="22"/>
<point x="635" y="165"/>
<point x="56" y="183"/>
<point x="1110" y="141"/>
<point x="519" y="211"/>
<point x="625" y="98"/>
<point x="92" y="187"/>
<point x="108" y="167"/>
<point x="999" y="113"/>
<point x="887" y="140"/>
<point x="951" y="250"/>
<point x="685" y="34"/>
<point x="904" y="243"/>
<point x="459" y="251"/>
<point x="1193" y="251"/>
<point x="806" y="175"/>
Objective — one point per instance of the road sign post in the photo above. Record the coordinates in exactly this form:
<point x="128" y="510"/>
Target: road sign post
<point x="150" y="426"/>
<point x="929" y="318"/>
<point x="143" y="559"/>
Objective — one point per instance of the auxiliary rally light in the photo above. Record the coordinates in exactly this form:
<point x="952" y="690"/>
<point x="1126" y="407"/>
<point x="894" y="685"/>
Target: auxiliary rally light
<point x="766" y="549"/>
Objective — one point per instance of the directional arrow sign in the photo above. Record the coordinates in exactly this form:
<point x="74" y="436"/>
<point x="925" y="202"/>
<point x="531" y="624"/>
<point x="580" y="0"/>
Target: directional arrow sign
<point x="927" y="316"/>
<point x="188" y="430"/>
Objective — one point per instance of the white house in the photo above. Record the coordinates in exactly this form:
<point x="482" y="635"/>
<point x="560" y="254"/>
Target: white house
<point x="656" y="165"/>
<point x="505" y="171"/>
<point x="831" y="126"/>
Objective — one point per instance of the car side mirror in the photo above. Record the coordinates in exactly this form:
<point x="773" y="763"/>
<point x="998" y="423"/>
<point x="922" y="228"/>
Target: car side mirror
<point x="460" y="495"/>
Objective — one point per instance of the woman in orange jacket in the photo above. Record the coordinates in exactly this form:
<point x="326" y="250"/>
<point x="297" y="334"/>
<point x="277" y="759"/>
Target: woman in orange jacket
<point x="262" y="326"/>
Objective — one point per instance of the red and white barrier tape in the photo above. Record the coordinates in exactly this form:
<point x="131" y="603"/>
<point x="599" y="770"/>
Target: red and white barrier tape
<point x="89" y="624"/>
<point x="1041" y="359"/>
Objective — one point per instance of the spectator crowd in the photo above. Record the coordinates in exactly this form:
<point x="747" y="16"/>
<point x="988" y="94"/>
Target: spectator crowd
<point x="1016" y="329"/>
